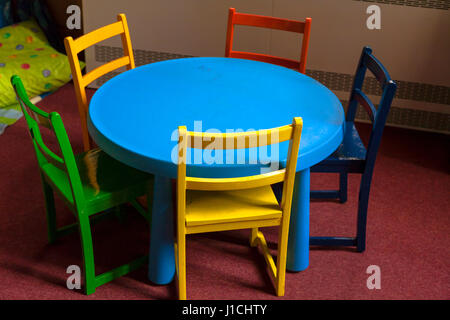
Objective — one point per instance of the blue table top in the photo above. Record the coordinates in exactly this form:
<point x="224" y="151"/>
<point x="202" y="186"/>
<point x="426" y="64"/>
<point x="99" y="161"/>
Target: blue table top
<point x="134" y="116"/>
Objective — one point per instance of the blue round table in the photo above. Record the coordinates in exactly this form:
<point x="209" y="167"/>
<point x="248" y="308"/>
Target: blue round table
<point x="134" y="118"/>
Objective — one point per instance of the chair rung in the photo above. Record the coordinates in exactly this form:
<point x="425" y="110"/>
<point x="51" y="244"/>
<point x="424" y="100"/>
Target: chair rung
<point x="329" y="168"/>
<point x="261" y="242"/>
<point x="348" y="165"/>
<point x="141" y="210"/>
<point x="120" y="271"/>
<point x="102" y="215"/>
<point x="332" y="241"/>
<point x="67" y="229"/>
<point x="324" y="194"/>
<point x="233" y="225"/>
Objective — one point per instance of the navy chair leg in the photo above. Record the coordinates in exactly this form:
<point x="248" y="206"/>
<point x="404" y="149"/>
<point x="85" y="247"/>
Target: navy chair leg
<point x="343" y="182"/>
<point x="361" y="230"/>
<point x="363" y="203"/>
<point x="340" y="194"/>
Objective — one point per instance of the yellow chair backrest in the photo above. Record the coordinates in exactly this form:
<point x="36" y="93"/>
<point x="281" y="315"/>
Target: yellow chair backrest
<point x="73" y="47"/>
<point x="240" y="140"/>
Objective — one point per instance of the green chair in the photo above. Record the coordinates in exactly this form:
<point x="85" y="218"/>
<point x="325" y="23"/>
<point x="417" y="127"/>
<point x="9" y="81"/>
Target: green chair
<point x="89" y="183"/>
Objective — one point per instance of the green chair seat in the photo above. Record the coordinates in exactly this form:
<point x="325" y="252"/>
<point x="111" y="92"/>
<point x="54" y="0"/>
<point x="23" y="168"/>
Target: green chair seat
<point x="105" y="181"/>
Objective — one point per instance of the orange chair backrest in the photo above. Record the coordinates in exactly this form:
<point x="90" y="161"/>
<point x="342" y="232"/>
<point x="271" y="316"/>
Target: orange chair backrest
<point x="73" y="47"/>
<point x="245" y="19"/>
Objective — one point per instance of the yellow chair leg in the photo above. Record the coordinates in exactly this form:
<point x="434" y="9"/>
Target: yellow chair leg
<point x="253" y="237"/>
<point x="281" y="259"/>
<point x="181" y="259"/>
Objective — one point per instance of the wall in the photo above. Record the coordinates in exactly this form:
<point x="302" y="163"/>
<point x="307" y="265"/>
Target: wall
<point x="413" y="43"/>
<point x="58" y="9"/>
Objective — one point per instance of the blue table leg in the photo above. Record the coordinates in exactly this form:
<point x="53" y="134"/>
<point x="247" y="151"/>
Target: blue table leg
<point x="161" y="266"/>
<point x="298" y="243"/>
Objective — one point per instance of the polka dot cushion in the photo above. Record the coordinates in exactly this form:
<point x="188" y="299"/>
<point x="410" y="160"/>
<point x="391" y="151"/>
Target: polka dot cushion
<point x="25" y="51"/>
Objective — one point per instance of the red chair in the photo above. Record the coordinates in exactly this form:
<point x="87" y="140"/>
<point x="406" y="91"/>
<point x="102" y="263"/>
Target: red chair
<point x="271" y="23"/>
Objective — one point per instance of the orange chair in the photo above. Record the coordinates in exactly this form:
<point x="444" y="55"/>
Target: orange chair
<point x="245" y="19"/>
<point x="73" y="47"/>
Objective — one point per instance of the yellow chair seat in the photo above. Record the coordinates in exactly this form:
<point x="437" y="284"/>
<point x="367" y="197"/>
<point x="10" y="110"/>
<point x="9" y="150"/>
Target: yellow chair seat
<point x="208" y="207"/>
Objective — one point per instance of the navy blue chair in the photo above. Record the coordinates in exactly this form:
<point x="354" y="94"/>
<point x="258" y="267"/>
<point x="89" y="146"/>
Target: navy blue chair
<point x="352" y="156"/>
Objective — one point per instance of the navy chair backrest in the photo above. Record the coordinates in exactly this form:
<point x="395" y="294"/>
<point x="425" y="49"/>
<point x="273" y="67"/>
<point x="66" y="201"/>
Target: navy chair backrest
<point x="378" y="115"/>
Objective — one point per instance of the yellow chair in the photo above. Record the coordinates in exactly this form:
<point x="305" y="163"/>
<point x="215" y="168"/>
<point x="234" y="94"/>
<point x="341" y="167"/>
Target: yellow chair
<point x="219" y="204"/>
<point x="73" y="47"/>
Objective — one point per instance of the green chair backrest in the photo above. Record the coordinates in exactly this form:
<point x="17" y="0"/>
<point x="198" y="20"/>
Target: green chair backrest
<point x="37" y="118"/>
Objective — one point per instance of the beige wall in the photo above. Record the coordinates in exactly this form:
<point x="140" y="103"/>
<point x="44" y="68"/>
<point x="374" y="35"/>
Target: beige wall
<point x="413" y="42"/>
<point x="190" y="27"/>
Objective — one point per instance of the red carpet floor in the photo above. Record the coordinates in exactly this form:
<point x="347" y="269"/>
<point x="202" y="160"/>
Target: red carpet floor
<point x="407" y="237"/>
